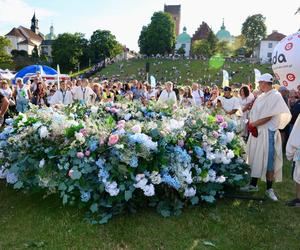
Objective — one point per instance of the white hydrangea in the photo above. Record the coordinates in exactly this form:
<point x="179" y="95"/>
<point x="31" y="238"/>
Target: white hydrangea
<point x="210" y="156"/>
<point x="141" y="183"/>
<point x="174" y="124"/>
<point x="229" y="136"/>
<point x="221" y="179"/>
<point x="155" y="178"/>
<point x="42" y="163"/>
<point x="94" y="109"/>
<point x="225" y="160"/>
<point x="112" y="188"/>
<point x="148" y="190"/>
<point x="44" y="132"/>
<point x="2" y="172"/>
<point x="212" y="175"/>
<point x="187" y="176"/>
<point x="230" y="154"/>
<point x="11" y="178"/>
<point x="190" y="192"/>
<point x="80" y="137"/>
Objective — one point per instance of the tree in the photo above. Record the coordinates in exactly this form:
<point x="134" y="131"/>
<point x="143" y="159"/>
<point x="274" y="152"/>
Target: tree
<point x="201" y="48"/>
<point x="254" y="30"/>
<point x="223" y="48"/>
<point x="212" y="40"/>
<point x="35" y="54"/>
<point x="4" y="56"/>
<point x="21" y="59"/>
<point x="67" y="50"/>
<point x="181" y="51"/>
<point x="159" y="36"/>
<point x="104" y="45"/>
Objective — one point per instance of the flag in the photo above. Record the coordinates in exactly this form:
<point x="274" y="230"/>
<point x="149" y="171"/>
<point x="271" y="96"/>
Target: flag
<point x="58" y="75"/>
<point x="257" y="76"/>
<point x="225" y="79"/>
<point x="152" y="81"/>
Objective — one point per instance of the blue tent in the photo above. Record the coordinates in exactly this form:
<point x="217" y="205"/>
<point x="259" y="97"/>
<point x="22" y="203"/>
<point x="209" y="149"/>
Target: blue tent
<point x="31" y="70"/>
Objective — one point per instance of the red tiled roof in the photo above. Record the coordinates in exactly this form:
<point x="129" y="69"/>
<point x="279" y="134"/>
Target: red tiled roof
<point x="15" y="32"/>
<point x="275" y="36"/>
<point x="26" y="41"/>
<point x="30" y="34"/>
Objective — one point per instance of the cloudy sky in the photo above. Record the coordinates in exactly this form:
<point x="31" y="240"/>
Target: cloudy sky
<point x="125" y="18"/>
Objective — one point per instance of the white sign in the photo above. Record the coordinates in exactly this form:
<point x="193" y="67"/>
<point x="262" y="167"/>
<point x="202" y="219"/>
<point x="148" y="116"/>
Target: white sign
<point x="286" y="61"/>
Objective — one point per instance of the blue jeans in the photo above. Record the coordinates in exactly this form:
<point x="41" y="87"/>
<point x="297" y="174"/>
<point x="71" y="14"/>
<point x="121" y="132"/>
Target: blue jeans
<point x="22" y="105"/>
<point x="271" y="153"/>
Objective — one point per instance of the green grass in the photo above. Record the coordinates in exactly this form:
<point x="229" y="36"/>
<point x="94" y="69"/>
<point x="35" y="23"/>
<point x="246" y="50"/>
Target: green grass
<point x="78" y="73"/>
<point x="189" y="70"/>
<point x="28" y="221"/>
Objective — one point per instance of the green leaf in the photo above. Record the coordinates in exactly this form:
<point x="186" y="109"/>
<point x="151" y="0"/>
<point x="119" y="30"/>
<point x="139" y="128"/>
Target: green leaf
<point x="195" y="200"/>
<point x="94" y="208"/>
<point x="76" y="175"/>
<point x="128" y="195"/>
<point x="18" y="185"/>
<point x="62" y="186"/>
<point x="65" y="199"/>
<point x="165" y="213"/>
<point x="105" y="218"/>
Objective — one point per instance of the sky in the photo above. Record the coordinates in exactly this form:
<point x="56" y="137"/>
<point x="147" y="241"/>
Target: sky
<point x="125" y="18"/>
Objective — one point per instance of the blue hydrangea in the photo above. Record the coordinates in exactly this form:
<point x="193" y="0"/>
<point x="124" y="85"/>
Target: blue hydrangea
<point x="134" y="162"/>
<point x="182" y="155"/>
<point x="93" y="145"/>
<point x="223" y="139"/>
<point x="232" y="125"/>
<point x="85" y="196"/>
<point x="173" y="182"/>
<point x="100" y="163"/>
<point x="199" y="151"/>
<point x="127" y="117"/>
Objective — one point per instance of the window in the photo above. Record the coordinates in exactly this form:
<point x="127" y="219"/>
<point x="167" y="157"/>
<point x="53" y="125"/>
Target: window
<point x="269" y="55"/>
<point x="183" y="45"/>
<point x="270" y="45"/>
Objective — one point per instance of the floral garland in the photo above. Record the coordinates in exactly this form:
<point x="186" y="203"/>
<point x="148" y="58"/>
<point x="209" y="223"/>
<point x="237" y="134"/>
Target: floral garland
<point x="116" y="156"/>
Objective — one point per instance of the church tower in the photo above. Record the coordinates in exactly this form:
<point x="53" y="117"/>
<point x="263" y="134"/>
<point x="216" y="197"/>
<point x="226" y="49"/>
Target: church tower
<point x="174" y="10"/>
<point x="34" y="24"/>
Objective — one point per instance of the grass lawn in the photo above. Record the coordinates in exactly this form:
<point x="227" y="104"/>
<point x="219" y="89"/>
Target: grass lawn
<point x="187" y="70"/>
<point x="28" y="221"/>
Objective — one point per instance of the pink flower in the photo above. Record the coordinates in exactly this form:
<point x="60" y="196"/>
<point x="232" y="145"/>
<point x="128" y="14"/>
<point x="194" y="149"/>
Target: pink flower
<point x="215" y="134"/>
<point x="112" y="140"/>
<point x="101" y="141"/>
<point x="87" y="153"/>
<point x="113" y="110"/>
<point x="190" y="152"/>
<point x="219" y="118"/>
<point x="136" y="129"/>
<point x="224" y="125"/>
<point x="70" y="172"/>
<point x="83" y="131"/>
<point x="80" y="155"/>
<point x="121" y="124"/>
<point x="107" y="109"/>
<point x="180" y="143"/>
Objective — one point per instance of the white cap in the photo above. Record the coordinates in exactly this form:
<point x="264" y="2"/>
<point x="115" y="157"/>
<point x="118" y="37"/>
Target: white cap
<point x="265" y="78"/>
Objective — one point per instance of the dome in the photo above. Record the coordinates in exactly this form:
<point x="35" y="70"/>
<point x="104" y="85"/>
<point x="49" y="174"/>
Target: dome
<point x="183" y="37"/>
<point x="223" y="34"/>
<point x="51" y="35"/>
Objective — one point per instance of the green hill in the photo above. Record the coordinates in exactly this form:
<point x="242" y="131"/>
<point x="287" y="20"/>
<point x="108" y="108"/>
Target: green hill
<point x="182" y="71"/>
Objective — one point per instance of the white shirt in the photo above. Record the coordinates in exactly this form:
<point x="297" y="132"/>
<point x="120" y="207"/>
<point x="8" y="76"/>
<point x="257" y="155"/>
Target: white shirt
<point x="6" y="92"/>
<point x="198" y="95"/>
<point x="83" y="93"/>
<point x="167" y="97"/>
<point x="61" y="97"/>
<point x="229" y="104"/>
<point x="247" y="100"/>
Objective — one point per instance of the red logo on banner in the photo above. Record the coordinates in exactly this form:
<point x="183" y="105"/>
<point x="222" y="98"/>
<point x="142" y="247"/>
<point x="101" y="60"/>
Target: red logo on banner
<point x="285" y="83"/>
<point x="288" y="46"/>
<point x="290" y="38"/>
<point x="291" y="77"/>
<point x="298" y="36"/>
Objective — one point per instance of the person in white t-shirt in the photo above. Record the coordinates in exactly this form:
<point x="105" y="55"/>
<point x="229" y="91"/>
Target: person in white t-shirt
<point x="84" y="93"/>
<point x="62" y="96"/>
<point x="168" y="95"/>
<point x="230" y="104"/>
<point x="197" y="94"/>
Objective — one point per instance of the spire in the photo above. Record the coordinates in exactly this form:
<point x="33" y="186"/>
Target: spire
<point x="34" y="24"/>
<point x="184" y="29"/>
<point x="33" y="18"/>
<point x="223" y="25"/>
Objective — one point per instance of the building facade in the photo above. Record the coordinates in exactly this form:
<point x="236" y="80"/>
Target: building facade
<point x="184" y="41"/>
<point x="175" y="11"/>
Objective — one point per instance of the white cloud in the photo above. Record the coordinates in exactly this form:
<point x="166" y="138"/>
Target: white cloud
<point x="16" y="12"/>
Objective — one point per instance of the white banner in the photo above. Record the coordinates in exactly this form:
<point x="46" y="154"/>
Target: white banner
<point x="225" y="79"/>
<point x="257" y="76"/>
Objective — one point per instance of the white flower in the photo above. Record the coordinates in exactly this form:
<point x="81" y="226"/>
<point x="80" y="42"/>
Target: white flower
<point x="139" y="177"/>
<point x="2" y="172"/>
<point x="229" y="137"/>
<point x="155" y="178"/>
<point x="1" y="155"/>
<point x="190" y="192"/>
<point x="230" y="154"/>
<point x="42" y="163"/>
<point x="37" y="125"/>
<point x="44" y="132"/>
<point x="187" y="176"/>
<point x="210" y="156"/>
<point x="149" y="190"/>
<point x="221" y="179"/>
<point x="225" y="160"/>
<point x="136" y="129"/>
<point x="240" y="160"/>
<point x="127" y="116"/>
<point x="212" y="175"/>
<point x="174" y="124"/>
<point x="206" y="179"/>
<point x="141" y="184"/>
<point x="112" y="188"/>
<point x="79" y="137"/>
<point x="11" y="178"/>
<point x="94" y="109"/>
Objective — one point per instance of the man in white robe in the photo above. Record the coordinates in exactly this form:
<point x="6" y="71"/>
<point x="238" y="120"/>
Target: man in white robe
<point x="84" y="93"/>
<point x="269" y="113"/>
<point x="293" y="154"/>
<point x="168" y="95"/>
<point x="62" y="96"/>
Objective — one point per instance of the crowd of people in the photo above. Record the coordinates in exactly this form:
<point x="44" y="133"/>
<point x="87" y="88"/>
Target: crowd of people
<point x="262" y="113"/>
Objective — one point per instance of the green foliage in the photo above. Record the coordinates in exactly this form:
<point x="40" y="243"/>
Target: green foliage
<point x="181" y="51"/>
<point x="212" y="40"/>
<point x="67" y="50"/>
<point x="201" y="48"/>
<point x="223" y="48"/>
<point x="4" y="56"/>
<point x="104" y="45"/>
<point x="254" y="30"/>
<point x="159" y="36"/>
